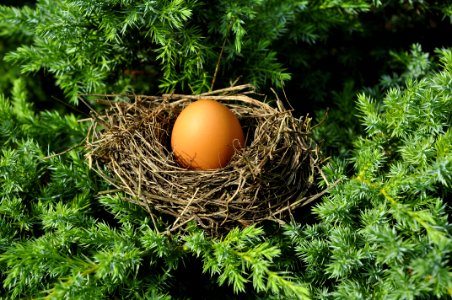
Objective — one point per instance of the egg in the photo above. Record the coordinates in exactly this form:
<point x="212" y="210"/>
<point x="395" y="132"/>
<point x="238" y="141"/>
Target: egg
<point x="205" y="135"/>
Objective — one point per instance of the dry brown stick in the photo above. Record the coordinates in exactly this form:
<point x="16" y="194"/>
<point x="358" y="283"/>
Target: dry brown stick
<point x="305" y="200"/>
<point x="231" y="89"/>
<point x="186" y="207"/>
<point x="217" y="66"/>
<point x="243" y="98"/>
<point x="65" y="151"/>
<point x="174" y="228"/>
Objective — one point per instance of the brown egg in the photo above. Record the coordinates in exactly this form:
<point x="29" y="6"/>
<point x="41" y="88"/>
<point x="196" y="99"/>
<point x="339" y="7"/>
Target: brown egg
<point x="206" y="135"/>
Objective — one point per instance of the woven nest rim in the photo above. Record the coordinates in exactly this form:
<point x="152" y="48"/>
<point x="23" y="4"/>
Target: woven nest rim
<point x="272" y="176"/>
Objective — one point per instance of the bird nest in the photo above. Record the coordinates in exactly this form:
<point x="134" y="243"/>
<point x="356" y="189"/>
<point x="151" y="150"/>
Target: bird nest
<point x="129" y="146"/>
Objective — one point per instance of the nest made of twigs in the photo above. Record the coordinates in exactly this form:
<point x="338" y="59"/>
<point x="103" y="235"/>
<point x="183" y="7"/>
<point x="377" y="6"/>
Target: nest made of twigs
<point x="129" y="145"/>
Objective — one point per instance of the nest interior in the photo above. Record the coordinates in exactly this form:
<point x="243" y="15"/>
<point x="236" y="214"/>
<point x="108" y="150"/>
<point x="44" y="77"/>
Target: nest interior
<point x="129" y="145"/>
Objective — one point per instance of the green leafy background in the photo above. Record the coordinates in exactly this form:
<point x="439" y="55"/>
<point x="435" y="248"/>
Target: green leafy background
<point x="376" y="76"/>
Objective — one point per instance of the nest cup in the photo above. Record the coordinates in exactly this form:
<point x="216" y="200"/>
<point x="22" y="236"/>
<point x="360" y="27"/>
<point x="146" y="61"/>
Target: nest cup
<point x="129" y="146"/>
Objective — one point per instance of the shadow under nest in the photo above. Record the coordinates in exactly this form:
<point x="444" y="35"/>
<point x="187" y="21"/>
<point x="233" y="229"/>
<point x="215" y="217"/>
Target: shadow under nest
<point x="129" y="146"/>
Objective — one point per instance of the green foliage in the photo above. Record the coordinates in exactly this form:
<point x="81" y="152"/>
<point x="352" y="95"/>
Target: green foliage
<point x="145" y="46"/>
<point x="339" y="124"/>
<point x="51" y="129"/>
<point x="242" y="257"/>
<point x="58" y="239"/>
<point x="90" y="45"/>
<point x="416" y="64"/>
<point x="383" y="231"/>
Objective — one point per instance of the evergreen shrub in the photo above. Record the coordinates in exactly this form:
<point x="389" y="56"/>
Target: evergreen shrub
<point x="383" y="231"/>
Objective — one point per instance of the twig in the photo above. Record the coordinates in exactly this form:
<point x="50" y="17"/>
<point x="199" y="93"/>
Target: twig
<point x="217" y="67"/>
<point x="186" y="207"/>
<point x="65" y="151"/>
